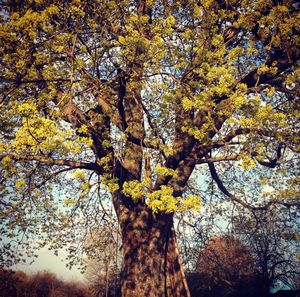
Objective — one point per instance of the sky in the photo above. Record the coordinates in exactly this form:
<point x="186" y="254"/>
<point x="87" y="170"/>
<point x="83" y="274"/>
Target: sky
<point x="48" y="261"/>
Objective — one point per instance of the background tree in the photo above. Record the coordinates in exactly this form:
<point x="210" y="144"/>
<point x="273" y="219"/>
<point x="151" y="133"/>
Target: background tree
<point x="42" y="284"/>
<point x="104" y="262"/>
<point x="271" y="236"/>
<point x="225" y="267"/>
<point x="8" y="283"/>
<point x="131" y="96"/>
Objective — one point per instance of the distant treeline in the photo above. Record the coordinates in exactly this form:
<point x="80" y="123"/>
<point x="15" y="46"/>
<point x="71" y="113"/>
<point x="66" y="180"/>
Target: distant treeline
<point x="40" y="284"/>
<point x="47" y="284"/>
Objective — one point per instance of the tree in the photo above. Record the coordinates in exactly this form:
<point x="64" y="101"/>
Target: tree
<point x="225" y="267"/>
<point x="42" y="284"/>
<point x="104" y="265"/>
<point x="132" y="95"/>
<point x="271" y="235"/>
<point x="8" y="283"/>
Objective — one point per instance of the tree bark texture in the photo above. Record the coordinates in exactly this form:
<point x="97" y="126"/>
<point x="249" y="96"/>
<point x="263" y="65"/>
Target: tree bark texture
<point x="151" y="265"/>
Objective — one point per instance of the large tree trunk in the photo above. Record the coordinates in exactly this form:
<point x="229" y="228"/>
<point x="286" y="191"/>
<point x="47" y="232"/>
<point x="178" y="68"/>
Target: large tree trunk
<point x="151" y="265"/>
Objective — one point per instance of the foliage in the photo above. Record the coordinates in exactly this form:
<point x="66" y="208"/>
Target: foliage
<point x="126" y="99"/>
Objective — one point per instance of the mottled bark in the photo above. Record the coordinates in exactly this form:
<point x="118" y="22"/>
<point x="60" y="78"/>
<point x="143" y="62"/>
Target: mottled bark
<point x="151" y="265"/>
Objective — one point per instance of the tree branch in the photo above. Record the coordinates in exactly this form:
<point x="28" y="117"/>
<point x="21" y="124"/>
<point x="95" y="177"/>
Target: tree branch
<point x="224" y="190"/>
<point x="217" y="159"/>
<point x="52" y="162"/>
<point x="272" y="163"/>
<point x="283" y="62"/>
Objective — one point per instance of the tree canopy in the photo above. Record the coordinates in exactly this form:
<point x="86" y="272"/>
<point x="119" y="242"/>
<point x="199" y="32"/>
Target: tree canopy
<point x="125" y="99"/>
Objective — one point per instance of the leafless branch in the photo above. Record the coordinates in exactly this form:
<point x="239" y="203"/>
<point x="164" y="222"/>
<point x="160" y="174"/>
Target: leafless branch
<point x="234" y="198"/>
